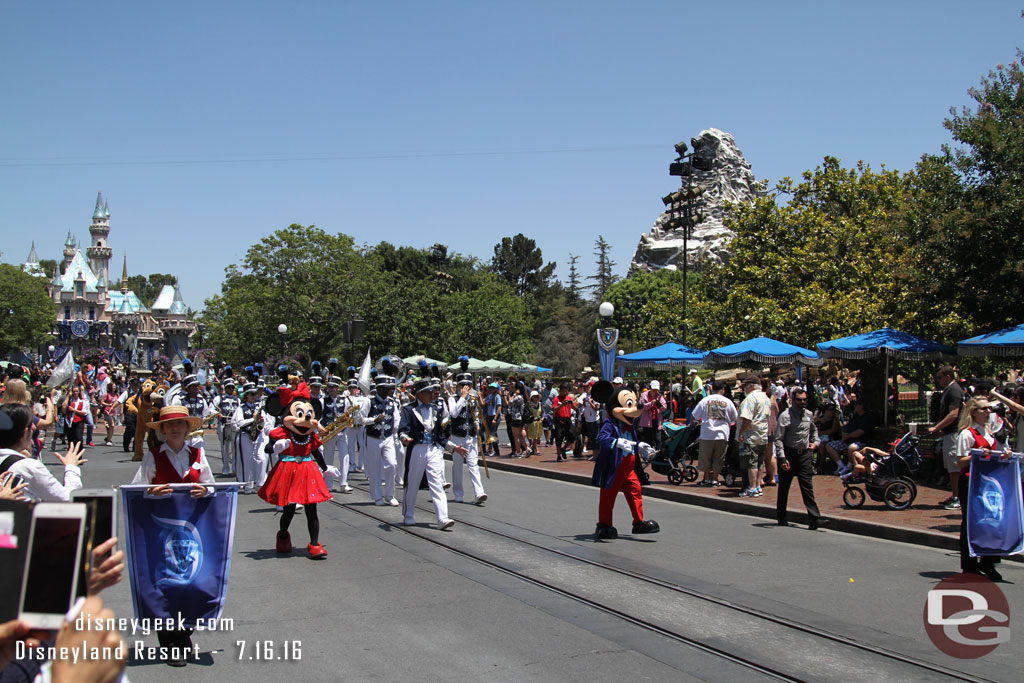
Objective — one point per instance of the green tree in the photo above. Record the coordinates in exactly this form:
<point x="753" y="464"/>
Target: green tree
<point x="26" y="314"/>
<point x="48" y="265"/>
<point x="819" y="267"/>
<point x="968" y="214"/>
<point x="519" y="262"/>
<point x="604" y="277"/>
<point x="574" y="288"/>
<point x="300" y="276"/>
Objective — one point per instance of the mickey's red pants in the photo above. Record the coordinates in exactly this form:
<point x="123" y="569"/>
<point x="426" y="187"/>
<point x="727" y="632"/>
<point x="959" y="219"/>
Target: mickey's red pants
<point x="627" y="482"/>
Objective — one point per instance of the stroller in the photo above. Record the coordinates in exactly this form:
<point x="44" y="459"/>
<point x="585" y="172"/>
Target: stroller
<point x="892" y="480"/>
<point x="678" y="445"/>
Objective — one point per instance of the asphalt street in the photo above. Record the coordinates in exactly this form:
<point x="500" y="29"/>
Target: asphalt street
<point x="388" y="605"/>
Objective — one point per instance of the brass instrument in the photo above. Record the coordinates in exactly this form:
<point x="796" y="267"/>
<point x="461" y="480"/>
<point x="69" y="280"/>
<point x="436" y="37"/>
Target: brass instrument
<point x="341" y="423"/>
<point x="256" y="426"/>
<point x="474" y="414"/>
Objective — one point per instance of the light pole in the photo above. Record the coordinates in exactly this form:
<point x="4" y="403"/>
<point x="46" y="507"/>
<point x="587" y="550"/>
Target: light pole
<point x="282" y="330"/>
<point x="683" y="204"/>
<point x="607" y="341"/>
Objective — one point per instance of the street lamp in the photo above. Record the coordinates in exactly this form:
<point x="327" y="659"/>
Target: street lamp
<point x="282" y="330"/>
<point x="607" y="340"/>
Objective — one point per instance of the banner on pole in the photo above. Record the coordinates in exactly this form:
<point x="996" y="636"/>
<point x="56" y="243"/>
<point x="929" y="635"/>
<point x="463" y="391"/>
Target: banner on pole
<point x="64" y="371"/>
<point x="179" y="552"/>
<point x="995" y="514"/>
<point x="607" y="342"/>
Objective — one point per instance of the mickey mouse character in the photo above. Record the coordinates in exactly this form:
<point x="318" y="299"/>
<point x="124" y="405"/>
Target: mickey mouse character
<point x="617" y="466"/>
<point x="297" y="478"/>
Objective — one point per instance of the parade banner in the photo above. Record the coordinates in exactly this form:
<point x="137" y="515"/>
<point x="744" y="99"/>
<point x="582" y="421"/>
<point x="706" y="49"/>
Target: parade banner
<point x="607" y="342"/>
<point x="179" y="551"/>
<point x="995" y="516"/>
<point x="64" y="371"/>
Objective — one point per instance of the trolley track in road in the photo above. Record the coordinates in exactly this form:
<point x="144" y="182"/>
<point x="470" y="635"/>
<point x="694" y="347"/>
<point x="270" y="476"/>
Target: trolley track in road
<point x="709" y="648"/>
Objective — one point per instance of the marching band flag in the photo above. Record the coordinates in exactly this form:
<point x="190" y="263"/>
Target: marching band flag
<point x="179" y="551"/>
<point x="995" y="514"/>
<point x="364" y="375"/>
<point x="64" y="371"/>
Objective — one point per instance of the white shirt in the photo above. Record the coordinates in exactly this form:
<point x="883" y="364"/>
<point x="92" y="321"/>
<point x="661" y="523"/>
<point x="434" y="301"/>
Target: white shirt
<point x="179" y="461"/>
<point x="716" y="413"/>
<point x="42" y="485"/>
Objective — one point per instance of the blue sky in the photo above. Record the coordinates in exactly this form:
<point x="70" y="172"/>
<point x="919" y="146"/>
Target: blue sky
<point x="209" y="125"/>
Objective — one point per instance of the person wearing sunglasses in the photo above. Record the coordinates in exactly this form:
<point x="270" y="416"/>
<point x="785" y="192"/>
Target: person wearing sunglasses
<point x="796" y="440"/>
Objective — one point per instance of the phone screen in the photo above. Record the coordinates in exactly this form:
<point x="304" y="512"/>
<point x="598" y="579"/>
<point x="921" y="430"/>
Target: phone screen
<point x="51" y="565"/>
<point x="99" y="512"/>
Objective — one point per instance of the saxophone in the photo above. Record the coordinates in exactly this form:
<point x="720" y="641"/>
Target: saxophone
<point x="341" y="423"/>
<point x="256" y="426"/>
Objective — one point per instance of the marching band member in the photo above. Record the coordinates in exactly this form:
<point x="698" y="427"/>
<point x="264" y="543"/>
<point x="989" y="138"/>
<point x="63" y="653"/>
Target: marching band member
<point x="334" y="407"/>
<point x="225" y="404"/>
<point x="379" y="420"/>
<point x="196" y="404"/>
<point x="422" y="434"/>
<point x="465" y="433"/>
<point x="249" y="461"/>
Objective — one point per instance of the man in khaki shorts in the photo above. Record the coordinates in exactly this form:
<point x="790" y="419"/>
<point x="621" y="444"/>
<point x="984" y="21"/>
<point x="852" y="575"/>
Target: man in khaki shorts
<point x="716" y="413"/>
<point x="753" y="434"/>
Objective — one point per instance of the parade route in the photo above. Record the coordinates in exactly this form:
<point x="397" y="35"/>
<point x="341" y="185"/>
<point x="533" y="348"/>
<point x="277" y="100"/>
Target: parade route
<point x="503" y="595"/>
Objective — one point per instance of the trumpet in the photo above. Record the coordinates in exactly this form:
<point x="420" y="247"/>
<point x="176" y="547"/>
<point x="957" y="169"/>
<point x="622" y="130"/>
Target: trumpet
<point x="340" y="424"/>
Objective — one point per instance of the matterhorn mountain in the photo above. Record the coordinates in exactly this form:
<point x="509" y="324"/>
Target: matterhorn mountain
<point x="728" y="180"/>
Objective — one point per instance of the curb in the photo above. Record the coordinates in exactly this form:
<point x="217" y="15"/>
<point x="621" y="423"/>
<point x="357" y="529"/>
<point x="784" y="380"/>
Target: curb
<point x="850" y="526"/>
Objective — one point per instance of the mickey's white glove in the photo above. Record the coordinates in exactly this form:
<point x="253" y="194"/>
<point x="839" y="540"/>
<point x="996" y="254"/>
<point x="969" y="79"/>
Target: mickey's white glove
<point x="624" y="445"/>
<point x="646" y="450"/>
<point x="281" y="444"/>
<point x="334" y="472"/>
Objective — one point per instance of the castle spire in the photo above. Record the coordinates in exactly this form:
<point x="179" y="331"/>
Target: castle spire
<point x="32" y="256"/>
<point x="124" y="275"/>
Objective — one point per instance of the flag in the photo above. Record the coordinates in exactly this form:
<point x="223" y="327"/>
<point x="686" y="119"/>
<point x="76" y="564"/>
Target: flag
<point x="607" y="342"/>
<point x="364" y="374"/>
<point x="995" y="518"/>
<point x="64" y="371"/>
<point x="179" y="551"/>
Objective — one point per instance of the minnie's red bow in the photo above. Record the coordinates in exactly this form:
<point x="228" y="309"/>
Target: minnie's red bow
<point x="287" y="394"/>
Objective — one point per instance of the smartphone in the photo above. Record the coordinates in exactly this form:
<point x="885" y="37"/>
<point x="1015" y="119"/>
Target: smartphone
<point x="100" y="525"/>
<point x="51" y="572"/>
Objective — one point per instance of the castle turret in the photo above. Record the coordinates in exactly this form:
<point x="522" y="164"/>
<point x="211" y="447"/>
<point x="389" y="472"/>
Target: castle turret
<point x="99" y="253"/>
<point x="70" y="247"/>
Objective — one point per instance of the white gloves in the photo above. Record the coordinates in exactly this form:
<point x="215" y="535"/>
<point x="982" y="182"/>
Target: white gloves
<point x="334" y="472"/>
<point x="281" y="444"/>
<point x="646" y="450"/>
<point x="624" y="445"/>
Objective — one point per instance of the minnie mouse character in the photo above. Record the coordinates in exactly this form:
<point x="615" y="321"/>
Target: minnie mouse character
<point x="617" y="466"/>
<point x="297" y="478"/>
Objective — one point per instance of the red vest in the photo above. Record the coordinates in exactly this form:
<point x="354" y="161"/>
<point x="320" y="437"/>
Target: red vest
<point x="165" y="472"/>
<point x="979" y="442"/>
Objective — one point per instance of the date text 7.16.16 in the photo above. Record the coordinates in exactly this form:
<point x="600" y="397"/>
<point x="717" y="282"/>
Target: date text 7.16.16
<point x="269" y="650"/>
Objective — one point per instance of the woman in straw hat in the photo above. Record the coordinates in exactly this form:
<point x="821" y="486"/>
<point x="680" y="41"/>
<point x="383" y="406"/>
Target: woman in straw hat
<point x="174" y="461"/>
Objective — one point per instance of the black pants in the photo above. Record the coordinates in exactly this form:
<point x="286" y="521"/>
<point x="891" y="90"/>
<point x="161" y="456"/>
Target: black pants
<point x="801" y="466"/>
<point x="129" y="433"/>
<point x="176" y="639"/>
<point x="75" y="435"/>
<point x="590" y="430"/>
<point x="968" y="563"/>
<point x="563" y="433"/>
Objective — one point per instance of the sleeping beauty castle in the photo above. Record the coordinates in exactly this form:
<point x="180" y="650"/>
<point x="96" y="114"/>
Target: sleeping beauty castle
<point x="89" y="314"/>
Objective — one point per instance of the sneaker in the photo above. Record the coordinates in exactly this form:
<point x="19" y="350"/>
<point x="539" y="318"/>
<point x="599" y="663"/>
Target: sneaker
<point x="445" y="523"/>
<point x="758" y="492"/>
<point x="704" y="482"/>
<point x="481" y="499"/>
<point x="108" y="443"/>
<point x="393" y="502"/>
<point x="747" y="493"/>
<point x="346" y="489"/>
<point x="952" y="504"/>
<point x="715" y="483"/>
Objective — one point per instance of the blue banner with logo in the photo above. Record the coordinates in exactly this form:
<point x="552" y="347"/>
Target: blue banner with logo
<point x="179" y="551"/>
<point x="607" y="342"/>
<point x="995" y="514"/>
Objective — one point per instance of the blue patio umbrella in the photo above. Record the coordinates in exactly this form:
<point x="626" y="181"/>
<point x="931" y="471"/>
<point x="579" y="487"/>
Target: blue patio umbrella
<point x="889" y="343"/>
<point x="763" y="350"/>
<point x="665" y="355"/>
<point x="1008" y="342"/>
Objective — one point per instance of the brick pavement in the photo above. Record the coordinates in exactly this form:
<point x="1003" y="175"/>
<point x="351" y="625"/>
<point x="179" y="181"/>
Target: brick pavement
<point x="924" y="523"/>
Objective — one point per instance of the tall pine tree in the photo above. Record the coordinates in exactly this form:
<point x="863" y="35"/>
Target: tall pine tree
<point x="604" y="277"/>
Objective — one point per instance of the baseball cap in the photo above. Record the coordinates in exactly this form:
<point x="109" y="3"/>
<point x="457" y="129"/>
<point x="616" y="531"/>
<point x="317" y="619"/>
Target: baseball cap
<point x="656" y="385"/>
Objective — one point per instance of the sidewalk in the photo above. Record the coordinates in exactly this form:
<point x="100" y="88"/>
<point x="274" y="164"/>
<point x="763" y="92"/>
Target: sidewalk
<point x="924" y="523"/>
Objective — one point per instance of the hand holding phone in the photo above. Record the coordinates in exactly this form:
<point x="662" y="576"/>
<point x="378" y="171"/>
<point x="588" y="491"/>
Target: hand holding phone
<point x="12" y="486"/>
<point x="96" y="670"/>
<point x="105" y="571"/>
<point x="51" y="571"/>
